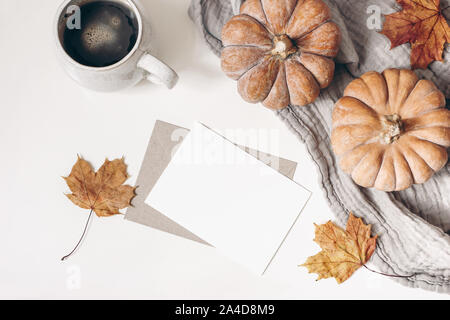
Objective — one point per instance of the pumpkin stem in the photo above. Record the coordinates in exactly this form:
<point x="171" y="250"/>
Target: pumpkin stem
<point x="283" y="46"/>
<point x="392" y="128"/>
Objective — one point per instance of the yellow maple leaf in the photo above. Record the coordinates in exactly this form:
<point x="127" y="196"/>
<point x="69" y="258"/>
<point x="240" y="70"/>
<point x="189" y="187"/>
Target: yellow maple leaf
<point x="103" y="191"/>
<point x="343" y="251"/>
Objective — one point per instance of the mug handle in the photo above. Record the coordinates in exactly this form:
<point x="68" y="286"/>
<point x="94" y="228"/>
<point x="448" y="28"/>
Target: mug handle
<point x="157" y="71"/>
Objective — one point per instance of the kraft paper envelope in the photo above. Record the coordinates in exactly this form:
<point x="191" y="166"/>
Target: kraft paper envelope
<point x="227" y="197"/>
<point x="163" y="143"/>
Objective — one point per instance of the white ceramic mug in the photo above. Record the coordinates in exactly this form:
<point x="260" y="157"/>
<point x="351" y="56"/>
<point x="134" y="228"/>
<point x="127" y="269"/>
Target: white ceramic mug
<point x="135" y="66"/>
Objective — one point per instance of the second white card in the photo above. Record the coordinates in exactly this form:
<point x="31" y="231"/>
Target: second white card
<point x="227" y="197"/>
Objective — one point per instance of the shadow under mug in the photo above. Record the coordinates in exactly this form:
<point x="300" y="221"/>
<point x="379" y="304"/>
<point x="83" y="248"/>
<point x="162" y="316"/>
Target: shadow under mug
<point x="138" y="64"/>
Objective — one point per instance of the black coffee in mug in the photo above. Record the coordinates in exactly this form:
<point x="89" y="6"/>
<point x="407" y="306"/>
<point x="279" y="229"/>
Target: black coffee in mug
<point x="108" y="32"/>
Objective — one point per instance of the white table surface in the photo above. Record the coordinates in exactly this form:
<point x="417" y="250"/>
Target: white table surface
<point x="46" y="119"/>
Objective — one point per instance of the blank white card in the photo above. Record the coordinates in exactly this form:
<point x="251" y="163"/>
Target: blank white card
<point x="228" y="198"/>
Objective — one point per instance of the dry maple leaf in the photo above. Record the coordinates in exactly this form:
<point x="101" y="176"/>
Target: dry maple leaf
<point x="343" y="251"/>
<point x="102" y="192"/>
<point x="421" y="23"/>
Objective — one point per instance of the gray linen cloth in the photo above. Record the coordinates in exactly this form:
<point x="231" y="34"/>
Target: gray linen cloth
<point x="413" y="225"/>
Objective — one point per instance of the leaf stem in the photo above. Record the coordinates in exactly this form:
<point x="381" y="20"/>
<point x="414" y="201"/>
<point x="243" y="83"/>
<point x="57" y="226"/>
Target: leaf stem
<point x="82" y="237"/>
<point x="445" y="8"/>
<point x="385" y="274"/>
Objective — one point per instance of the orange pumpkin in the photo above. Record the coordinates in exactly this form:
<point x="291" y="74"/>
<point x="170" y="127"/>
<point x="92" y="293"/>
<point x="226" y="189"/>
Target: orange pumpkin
<point x="391" y="130"/>
<point x="280" y="51"/>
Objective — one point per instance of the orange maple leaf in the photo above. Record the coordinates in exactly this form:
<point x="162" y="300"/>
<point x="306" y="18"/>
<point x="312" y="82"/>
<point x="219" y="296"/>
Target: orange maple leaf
<point x="421" y="23"/>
